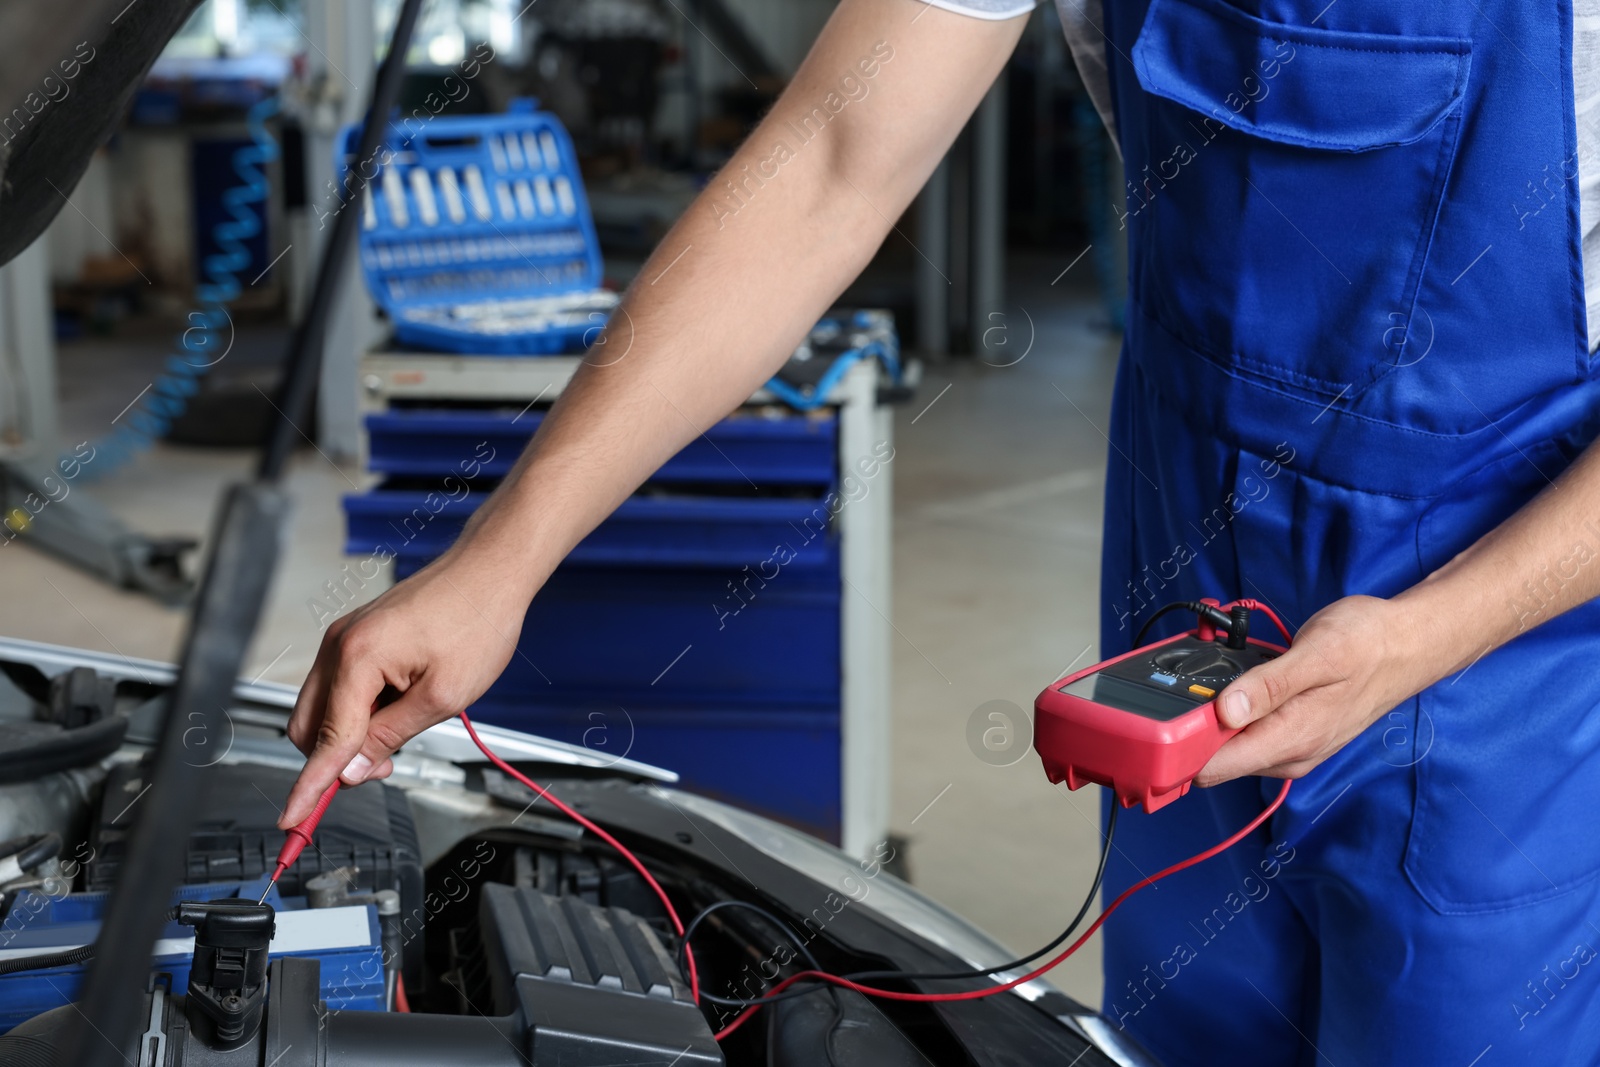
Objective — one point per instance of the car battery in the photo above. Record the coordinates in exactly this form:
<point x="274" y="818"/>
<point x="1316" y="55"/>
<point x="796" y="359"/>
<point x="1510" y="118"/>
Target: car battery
<point x="346" y="940"/>
<point x="236" y="838"/>
<point x="476" y="234"/>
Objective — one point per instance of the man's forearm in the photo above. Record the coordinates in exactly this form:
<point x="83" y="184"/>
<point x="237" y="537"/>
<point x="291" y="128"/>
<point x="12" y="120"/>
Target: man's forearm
<point x="1539" y="563"/>
<point x="745" y="273"/>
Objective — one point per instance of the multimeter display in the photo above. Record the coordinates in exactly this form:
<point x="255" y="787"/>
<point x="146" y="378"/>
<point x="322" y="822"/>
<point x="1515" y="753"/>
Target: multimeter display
<point x="1120" y="693"/>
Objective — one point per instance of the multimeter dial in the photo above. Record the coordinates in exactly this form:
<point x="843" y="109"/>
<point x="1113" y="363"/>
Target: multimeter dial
<point x="1205" y="664"/>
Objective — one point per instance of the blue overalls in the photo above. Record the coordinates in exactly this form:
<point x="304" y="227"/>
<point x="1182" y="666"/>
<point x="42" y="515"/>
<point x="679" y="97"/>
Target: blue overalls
<point x="1354" y="345"/>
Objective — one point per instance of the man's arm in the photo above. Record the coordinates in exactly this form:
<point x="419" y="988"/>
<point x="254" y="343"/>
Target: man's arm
<point x="1361" y="656"/>
<point x="715" y="312"/>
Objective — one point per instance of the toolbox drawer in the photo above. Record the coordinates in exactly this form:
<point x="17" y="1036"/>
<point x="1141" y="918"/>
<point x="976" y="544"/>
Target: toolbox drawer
<point x="648" y="530"/>
<point x="622" y="636"/>
<point x="745" y="447"/>
<point x="783" y="764"/>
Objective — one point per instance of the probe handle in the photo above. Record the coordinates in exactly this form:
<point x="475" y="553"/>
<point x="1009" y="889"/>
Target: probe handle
<point x="299" y="835"/>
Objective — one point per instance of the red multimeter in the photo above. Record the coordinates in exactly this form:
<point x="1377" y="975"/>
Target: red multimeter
<point x="1145" y="723"/>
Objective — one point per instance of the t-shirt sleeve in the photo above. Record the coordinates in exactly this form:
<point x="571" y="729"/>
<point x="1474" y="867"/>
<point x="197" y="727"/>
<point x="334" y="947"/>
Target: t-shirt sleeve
<point x="985" y="9"/>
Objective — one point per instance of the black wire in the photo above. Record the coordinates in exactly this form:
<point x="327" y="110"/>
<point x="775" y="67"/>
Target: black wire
<point x="1088" y="902"/>
<point x="49" y="959"/>
<point x="773" y="920"/>
<point x="1151" y="621"/>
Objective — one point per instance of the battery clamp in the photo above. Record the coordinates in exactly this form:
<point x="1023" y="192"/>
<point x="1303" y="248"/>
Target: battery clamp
<point x="1145" y="723"/>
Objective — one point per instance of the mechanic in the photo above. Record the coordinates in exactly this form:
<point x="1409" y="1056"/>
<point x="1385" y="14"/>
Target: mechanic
<point x="1357" y="353"/>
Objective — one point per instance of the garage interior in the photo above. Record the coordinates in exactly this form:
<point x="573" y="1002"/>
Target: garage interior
<point x="1000" y="281"/>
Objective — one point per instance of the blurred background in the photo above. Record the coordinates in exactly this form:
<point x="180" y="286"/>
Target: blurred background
<point x="879" y="688"/>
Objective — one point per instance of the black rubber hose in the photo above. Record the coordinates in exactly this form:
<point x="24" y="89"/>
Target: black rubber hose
<point x="49" y="959"/>
<point x="31" y="851"/>
<point x="64" y="958"/>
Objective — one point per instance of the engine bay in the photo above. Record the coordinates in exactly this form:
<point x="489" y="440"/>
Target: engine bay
<point x="445" y="915"/>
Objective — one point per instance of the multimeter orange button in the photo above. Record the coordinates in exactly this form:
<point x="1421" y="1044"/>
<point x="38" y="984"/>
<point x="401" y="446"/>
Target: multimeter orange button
<point x="1202" y="691"/>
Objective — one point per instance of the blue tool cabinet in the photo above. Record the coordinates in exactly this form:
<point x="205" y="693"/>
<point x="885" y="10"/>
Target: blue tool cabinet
<point x="673" y="634"/>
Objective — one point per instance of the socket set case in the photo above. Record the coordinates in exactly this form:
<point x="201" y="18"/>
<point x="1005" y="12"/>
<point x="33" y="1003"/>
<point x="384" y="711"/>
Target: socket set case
<point x="476" y="235"/>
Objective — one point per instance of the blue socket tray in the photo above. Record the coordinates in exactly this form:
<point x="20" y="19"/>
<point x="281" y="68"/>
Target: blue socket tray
<point x="476" y="234"/>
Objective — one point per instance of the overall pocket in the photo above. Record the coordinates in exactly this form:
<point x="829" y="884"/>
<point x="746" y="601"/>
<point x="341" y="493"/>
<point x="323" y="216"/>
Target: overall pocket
<point x="1294" y="174"/>
<point x="1506" y="793"/>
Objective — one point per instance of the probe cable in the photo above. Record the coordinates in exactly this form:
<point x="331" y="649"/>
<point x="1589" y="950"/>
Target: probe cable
<point x="989" y="991"/>
<point x="1088" y="902"/>
<point x="587" y="824"/>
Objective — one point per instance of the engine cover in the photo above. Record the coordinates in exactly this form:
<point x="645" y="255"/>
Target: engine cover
<point x="595" y="984"/>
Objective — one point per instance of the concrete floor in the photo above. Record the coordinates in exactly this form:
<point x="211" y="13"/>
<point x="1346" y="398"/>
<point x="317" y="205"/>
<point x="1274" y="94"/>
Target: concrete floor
<point x="172" y="490"/>
<point x="998" y="479"/>
<point x="997" y="538"/>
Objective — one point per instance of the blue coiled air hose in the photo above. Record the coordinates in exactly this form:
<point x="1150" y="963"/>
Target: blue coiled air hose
<point x="168" y="396"/>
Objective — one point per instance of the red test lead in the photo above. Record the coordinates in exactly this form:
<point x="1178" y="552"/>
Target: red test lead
<point x="298" y="837"/>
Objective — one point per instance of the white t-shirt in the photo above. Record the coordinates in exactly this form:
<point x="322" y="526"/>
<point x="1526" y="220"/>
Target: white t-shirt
<point x="1080" y="21"/>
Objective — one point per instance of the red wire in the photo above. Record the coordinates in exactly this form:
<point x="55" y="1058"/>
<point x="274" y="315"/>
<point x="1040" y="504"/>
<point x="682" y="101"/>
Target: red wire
<point x="569" y="812"/>
<point x="400" y="1001"/>
<point x="989" y="991"/>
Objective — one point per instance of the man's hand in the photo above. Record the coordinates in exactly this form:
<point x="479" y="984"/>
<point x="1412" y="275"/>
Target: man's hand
<point x="1351" y="662"/>
<point x="440" y="639"/>
<point x="1360" y="656"/>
